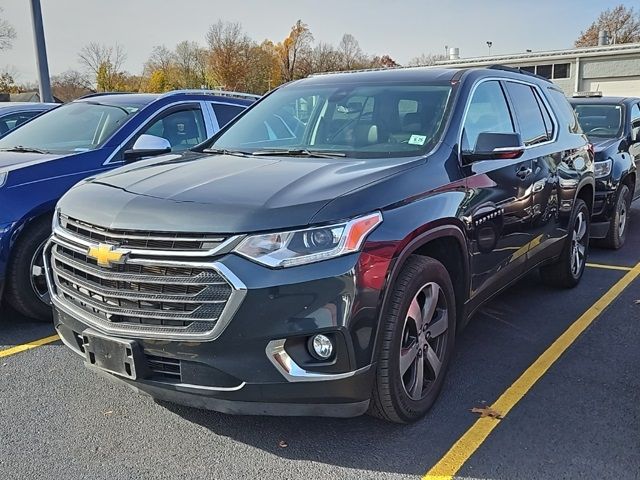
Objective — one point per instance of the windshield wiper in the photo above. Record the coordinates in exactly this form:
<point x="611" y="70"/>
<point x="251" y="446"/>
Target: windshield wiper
<point x="301" y="152"/>
<point x="224" y="151"/>
<point x="21" y="149"/>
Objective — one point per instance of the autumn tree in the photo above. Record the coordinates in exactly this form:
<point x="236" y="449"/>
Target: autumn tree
<point x="292" y="49"/>
<point x="621" y="23"/>
<point x="229" y="49"/>
<point x="7" y="32"/>
<point x="384" y="61"/>
<point x="70" y="85"/>
<point x="7" y="83"/>
<point x="351" y="54"/>
<point x="190" y="65"/>
<point x="105" y="63"/>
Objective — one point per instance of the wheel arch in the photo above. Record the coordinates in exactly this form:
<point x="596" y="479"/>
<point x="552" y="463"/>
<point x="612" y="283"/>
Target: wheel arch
<point x="432" y="243"/>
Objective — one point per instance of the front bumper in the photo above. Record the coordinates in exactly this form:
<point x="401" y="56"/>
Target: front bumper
<point x="243" y="370"/>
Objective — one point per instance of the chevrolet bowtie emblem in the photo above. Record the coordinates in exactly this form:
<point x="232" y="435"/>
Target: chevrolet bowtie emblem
<point x="106" y="255"/>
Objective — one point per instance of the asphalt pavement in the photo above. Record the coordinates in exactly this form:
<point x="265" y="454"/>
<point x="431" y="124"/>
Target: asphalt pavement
<point x="580" y="420"/>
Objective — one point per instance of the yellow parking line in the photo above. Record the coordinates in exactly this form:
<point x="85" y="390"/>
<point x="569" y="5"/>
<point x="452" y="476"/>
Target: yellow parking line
<point x="466" y="445"/>
<point x="609" y="267"/>
<point x="28" y="346"/>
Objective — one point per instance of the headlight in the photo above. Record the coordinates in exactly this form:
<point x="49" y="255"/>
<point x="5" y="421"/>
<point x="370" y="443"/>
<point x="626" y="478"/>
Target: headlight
<point x="298" y="247"/>
<point x="602" y="169"/>
<point x="3" y="178"/>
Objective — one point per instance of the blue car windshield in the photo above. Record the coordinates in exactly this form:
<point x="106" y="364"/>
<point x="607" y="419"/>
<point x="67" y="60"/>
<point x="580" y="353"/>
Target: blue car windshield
<point x="75" y="127"/>
<point x="367" y="120"/>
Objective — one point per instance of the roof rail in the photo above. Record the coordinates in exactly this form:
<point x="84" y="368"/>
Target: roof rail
<point x="505" y="68"/>
<point x="219" y="93"/>
<point x="100" y="94"/>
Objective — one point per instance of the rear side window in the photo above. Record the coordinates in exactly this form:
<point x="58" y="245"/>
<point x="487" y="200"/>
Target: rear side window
<point x="527" y="111"/>
<point x="635" y="116"/>
<point x="564" y="110"/>
<point x="225" y="113"/>
<point x="488" y="112"/>
<point x="13" y="120"/>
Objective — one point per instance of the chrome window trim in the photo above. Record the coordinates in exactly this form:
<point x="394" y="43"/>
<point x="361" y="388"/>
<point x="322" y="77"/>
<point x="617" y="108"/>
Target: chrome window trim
<point x="145" y="124"/>
<point x="293" y="372"/>
<point x="513" y="113"/>
<point x="238" y="293"/>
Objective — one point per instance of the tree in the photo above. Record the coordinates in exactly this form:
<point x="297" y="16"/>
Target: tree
<point x="621" y="23"/>
<point x="190" y="65"/>
<point x="427" y="59"/>
<point x="351" y="53"/>
<point x="296" y="45"/>
<point x="70" y="85"/>
<point x="7" y="84"/>
<point x="229" y="50"/>
<point x="385" y="61"/>
<point x="105" y="63"/>
<point x="7" y="32"/>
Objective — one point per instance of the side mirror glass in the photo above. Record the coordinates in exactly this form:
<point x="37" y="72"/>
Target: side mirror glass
<point x="496" y="146"/>
<point x="635" y="135"/>
<point x="147" y="146"/>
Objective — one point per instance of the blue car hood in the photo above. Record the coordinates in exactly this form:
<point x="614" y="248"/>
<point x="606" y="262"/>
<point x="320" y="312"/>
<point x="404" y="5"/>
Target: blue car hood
<point x="13" y="160"/>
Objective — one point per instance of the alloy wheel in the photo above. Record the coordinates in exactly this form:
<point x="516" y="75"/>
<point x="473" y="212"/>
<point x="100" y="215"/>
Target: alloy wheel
<point x="38" y="276"/>
<point x="579" y="241"/>
<point x="424" y="340"/>
<point x="622" y="217"/>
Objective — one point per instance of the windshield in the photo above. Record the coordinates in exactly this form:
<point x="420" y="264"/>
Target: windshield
<point x="364" y="121"/>
<point x="74" y="127"/>
<point x="601" y="120"/>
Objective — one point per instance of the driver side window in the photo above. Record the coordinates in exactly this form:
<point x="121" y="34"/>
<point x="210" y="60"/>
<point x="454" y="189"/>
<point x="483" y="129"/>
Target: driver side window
<point x="488" y="112"/>
<point x="183" y="129"/>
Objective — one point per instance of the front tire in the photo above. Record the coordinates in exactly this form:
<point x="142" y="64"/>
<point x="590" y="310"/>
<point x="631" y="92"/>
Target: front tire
<point x="418" y="338"/>
<point x="619" y="223"/>
<point x="26" y="284"/>
<point x="567" y="271"/>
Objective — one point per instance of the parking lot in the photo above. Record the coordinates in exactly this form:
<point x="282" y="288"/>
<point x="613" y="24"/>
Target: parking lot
<point x="578" y="419"/>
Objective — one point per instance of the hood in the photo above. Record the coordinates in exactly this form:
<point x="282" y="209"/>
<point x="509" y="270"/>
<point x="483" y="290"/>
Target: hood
<point x="13" y="160"/>
<point x="222" y="194"/>
<point x="602" y="147"/>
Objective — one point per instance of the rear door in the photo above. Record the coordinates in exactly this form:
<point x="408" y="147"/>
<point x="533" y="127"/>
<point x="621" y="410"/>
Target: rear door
<point x="635" y="147"/>
<point x="498" y="208"/>
<point x="538" y="127"/>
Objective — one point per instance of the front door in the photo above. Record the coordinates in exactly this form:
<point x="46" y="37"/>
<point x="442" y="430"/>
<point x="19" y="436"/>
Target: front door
<point x="498" y="207"/>
<point x="635" y="147"/>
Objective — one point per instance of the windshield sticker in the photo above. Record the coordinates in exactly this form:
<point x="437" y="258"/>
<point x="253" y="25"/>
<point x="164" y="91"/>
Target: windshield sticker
<point x="417" y="139"/>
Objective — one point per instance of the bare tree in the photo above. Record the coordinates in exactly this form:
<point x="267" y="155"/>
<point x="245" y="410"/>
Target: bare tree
<point x="621" y="23"/>
<point x="427" y="59"/>
<point x="105" y="63"/>
<point x="161" y="58"/>
<point x="325" y="58"/>
<point x="7" y="32"/>
<point x="187" y="64"/>
<point x="352" y="56"/>
<point x="70" y="85"/>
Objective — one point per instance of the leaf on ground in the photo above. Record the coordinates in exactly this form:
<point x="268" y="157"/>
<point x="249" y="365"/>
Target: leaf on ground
<point x="283" y="444"/>
<point x="487" y="412"/>
<point x="107" y="413"/>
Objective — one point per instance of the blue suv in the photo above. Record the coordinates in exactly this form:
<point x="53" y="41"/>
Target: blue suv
<point x="46" y="156"/>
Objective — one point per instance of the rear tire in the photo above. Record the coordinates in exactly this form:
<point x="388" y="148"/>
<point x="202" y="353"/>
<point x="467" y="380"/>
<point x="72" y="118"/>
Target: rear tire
<point x="567" y="271"/>
<point x="619" y="223"/>
<point x="418" y="338"/>
<point x="26" y="287"/>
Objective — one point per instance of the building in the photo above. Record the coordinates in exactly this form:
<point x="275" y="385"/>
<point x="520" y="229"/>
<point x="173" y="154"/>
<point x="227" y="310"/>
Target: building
<point x="610" y="69"/>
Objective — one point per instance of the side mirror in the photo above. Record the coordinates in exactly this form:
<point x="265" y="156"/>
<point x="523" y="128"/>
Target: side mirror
<point x="147" y="146"/>
<point x="496" y="146"/>
<point x="635" y="135"/>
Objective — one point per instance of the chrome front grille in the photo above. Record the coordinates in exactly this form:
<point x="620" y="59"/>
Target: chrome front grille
<point x="171" y="242"/>
<point x="147" y="296"/>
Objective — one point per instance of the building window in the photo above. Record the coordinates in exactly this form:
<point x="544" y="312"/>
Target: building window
<point x="544" y="70"/>
<point x="529" y="68"/>
<point x="561" y="70"/>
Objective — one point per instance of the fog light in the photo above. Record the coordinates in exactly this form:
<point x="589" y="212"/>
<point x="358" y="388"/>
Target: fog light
<point x="322" y="347"/>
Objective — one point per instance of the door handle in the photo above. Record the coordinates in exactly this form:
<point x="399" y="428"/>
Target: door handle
<point x="523" y="172"/>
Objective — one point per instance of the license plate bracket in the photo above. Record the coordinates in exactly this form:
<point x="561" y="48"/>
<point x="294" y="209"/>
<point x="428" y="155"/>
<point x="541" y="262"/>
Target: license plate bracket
<point x="114" y="355"/>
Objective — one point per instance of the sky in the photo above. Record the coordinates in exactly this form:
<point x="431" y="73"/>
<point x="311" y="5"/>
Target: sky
<point x="402" y="29"/>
